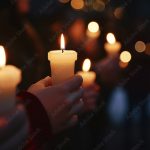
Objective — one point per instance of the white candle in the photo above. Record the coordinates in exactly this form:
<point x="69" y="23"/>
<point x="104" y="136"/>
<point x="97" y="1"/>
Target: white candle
<point x="10" y="76"/>
<point x="62" y="63"/>
<point x="88" y="76"/>
<point x="125" y="58"/>
<point x="93" y="30"/>
<point x="112" y="47"/>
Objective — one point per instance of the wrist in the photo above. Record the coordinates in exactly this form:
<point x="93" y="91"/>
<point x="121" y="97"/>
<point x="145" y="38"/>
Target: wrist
<point x="35" y="112"/>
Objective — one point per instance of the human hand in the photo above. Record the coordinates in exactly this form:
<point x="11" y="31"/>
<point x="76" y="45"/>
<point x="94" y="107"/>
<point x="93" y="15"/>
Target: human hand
<point x="90" y="96"/>
<point x="15" y="128"/>
<point x="59" y="100"/>
<point x="108" y="70"/>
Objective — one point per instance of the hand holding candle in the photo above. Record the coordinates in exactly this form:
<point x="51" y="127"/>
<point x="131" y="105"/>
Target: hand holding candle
<point x="10" y="76"/>
<point x="112" y="47"/>
<point x="57" y="98"/>
<point x="88" y="76"/>
<point x="62" y="63"/>
<point x="91" y="89"/>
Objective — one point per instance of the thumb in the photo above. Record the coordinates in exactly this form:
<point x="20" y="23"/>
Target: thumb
<point x="46" y="81"/>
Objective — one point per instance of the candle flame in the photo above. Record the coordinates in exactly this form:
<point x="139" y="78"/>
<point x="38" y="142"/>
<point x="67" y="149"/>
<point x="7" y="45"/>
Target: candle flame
<point x="86" y="65"/>
<point x="93" y="27"/>
<point x="62" y="42"/>
<point x="125" y="56"/>
<point x="111" y="38"/>
<point x="2" y="57"/>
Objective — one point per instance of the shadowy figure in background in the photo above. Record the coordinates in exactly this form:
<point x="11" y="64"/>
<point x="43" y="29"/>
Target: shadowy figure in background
<point x="22" y="42"/>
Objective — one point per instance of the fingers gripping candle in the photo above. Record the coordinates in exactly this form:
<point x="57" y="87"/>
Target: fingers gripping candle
<point x="62" y="63"/>
<point x="10" y="76"/>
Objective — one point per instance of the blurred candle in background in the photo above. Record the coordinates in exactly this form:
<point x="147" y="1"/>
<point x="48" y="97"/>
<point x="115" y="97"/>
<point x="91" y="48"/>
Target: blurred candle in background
<point x="77" y="4"/>
<point x="88" y="76"/>
<point x="140" y="46"/>
<point x="10" y="77"/>
<point x="93" y="30"/>
<point x="125" y="58"/>
<point x="112" y="47"/>
<point x="62" y="63"/>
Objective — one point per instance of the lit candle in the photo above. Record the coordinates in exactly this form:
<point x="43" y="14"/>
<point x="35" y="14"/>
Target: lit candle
<point x="10" y="77"/>
<point x="125" y="58"/>
<point x="112" y="47"/>
<point x="93" y="30"/>
<point x="88" y="76"/>
<point x="62" y="63"/>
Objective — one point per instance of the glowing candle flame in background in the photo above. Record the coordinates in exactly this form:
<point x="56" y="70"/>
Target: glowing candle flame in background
<point x="93" y="27"/>
<point x="125" y="56"/>
<point x="86" y="65"/>
<point x="111" y="38"/>
<point x="62" y="42"/>
<point x="2" y="57"/>
<point x="140" y="46"/>
<point x="93" y="30"/>
<point x="77" y="4"/>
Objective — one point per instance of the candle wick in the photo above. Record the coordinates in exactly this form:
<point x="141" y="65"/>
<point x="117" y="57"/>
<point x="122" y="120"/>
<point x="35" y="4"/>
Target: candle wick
<point x="62" y="50"/>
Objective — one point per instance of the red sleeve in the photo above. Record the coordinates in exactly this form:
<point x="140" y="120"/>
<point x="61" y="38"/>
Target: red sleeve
<point x="40" y="128"/>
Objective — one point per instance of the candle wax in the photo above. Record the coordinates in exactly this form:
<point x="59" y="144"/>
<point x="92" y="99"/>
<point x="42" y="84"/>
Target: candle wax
<point x="62" y="65"/>
<point x="10" y="76"/>
<point x="88" y="77"/>
<point x="112" y="49"/>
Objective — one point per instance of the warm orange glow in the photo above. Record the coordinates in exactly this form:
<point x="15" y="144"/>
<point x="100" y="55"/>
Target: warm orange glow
<point x="119" y="12"/>
<point x="111" y="38"/>
<point x="140" y="46"/>
<point x="86" y="65"/>
<point x="62" y="42"/>
<point x="125" y="56"/>
<point x="147" y="50"/>
<point x="93" y="27"/>
<point x="2" y="57"/>
<point x="123" y="65"/>
<point x="98" y="5"/>
<point x="77" y="4"/>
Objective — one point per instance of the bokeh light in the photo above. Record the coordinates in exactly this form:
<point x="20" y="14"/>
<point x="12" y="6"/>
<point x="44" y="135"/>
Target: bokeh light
<point x="111" y="38"/>
<point x="118" y="106"/>
<point x="93" y="27"/>
<point x="93" y="30"/>
<point x="77" y="4"/>
<point x="125" y="56"/>
<point x="77" y="30"/>
<point x="98" y="5"/>
<point x="147" y="50"/>
<point x="140" y="46"/>
<point x="86" y="65"/>
<point x="118" y="13"/>
<point x="23" y="6"/>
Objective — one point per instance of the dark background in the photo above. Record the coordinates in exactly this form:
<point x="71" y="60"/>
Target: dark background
<point x="121" y="121"/>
